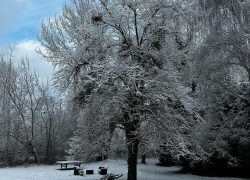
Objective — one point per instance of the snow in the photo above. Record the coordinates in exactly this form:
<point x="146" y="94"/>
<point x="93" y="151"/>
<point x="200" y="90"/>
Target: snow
<point x="148" y="171"/>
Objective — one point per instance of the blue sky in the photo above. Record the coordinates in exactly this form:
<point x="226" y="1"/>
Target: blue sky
<point x="20" y="22"/>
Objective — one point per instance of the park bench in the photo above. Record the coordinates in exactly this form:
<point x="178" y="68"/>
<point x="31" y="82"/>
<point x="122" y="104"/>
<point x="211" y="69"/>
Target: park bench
<point x="64" y="164"/>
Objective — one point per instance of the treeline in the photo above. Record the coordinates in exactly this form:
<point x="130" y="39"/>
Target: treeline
<point x="143" y="77"/>
<point x="201" y="118"/>
<point x="223" y="87"/>
<point x="34" y="124"/>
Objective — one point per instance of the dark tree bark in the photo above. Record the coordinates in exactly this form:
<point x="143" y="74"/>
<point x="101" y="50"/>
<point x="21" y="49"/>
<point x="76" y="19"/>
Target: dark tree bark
<point x="143" y="159"/>
<point x="132" y="159"/>
<point x="33" y="151"/>
<point x="193" y="86"/>
<point x="131" y="128"/>
<point x="49" y="143"/>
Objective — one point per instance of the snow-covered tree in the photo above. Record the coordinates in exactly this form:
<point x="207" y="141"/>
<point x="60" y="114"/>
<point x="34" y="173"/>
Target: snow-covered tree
<point x="223" y="54"/>
<point x="123" y="59"/>
<point x="222" y="69"/>
<point x="33" y="120"/>
<point x="21" y="89"/>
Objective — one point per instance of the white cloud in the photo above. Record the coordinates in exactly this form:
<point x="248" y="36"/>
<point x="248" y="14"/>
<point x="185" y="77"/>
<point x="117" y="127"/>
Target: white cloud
<point x="37" y="63"/>
<point x="21" y="19"/>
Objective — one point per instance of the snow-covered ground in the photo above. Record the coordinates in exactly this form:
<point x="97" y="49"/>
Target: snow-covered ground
<point x="145" y="172"/>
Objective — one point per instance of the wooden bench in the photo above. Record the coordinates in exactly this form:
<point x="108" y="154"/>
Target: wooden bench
<point x="64" y="164"/>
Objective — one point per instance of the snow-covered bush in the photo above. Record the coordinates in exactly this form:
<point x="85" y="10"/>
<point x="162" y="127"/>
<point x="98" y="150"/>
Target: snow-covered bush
<point x="225" y="138"/>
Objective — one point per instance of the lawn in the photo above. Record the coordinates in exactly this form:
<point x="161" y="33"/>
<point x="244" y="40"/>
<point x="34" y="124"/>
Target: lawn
<point x="145" y="172"/>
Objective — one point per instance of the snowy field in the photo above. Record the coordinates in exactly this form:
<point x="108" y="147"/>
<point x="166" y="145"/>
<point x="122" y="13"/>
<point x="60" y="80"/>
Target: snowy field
<point x="145" y="172"/>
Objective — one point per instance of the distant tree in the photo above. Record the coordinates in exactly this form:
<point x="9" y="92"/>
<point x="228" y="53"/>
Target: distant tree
<point x="223" y="83"/>
<point x="223" y="55"/>
<point x="22" y="91"/>
<point x="7" y="71"/>
<point x="34" y="123"/>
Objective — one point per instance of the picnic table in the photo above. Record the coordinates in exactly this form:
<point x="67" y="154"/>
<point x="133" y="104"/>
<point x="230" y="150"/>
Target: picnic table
<point x="65" y="164"/>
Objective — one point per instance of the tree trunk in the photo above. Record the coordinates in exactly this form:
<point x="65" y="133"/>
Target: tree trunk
<point x="132" y="145"/>
<point x="49" y="144"/>
<point x="36" y="158"/>
<point x="33" y="151"/>
<point x="143" y="159"/>
<point x="132" y="160"/>
<point x="132" y="127"/>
